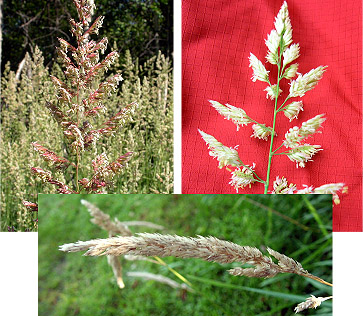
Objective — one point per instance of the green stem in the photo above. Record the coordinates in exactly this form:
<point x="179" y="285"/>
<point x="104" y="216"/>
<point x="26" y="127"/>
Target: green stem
<point x="277" y="149"/>
<point x="262" y="125"/>
<point x="313" y="277"/>
<point x="77" y="154"/>
<point x="252" y="120"/>
<point x="271" y="210"/>
<point x="315" y="214"/>
<point x="77" y="166"/>
<point x="272" y="134"/>
<point x="259" y="179"/>
<point x="177" y="274"/>
<point x="280" y="108"/>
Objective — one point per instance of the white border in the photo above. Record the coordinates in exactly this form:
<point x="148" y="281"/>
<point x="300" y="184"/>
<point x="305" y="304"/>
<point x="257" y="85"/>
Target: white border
<point x="19" y="273"/>
<point x="347" y="273"/>
<point x="177" y="97"/>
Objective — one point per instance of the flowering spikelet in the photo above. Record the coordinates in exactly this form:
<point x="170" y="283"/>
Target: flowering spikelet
<point x="62" y="89"/>
<point x="261" y="131"/>
<point x="90" y="138"/>
<point x="272" y="92"/>
<point x="242" y="177"/>
<point x="84" y="10"/>
<point x="118" y="120"/>
<point x="291" y="71"/>
<point x="281" y="186"/>
<point x="291" y="53"/>
<point x="303" y="153"/>
<point x="101" y="45"/>
<point x="311" y="126"/>
<point x="76" y="29"/>
<point x="104" y="89"/>
<point x="97" y="24"/>
<point x="104" y="172"/>
<point x="259" y="70"/>
<point x="295" y="135"/>
<point x="104" y="221"/>
<point x="33" y="207"/>
<point x="332" y="188"/>
<point x="280" y="37"/>
<point x="237" y="115"/>
<point x="119" y="163"/>
<point x="64" y="46"/>
<point x="293" y="109"/>
<point x="206" y="248"/>
<point x="283" y="27"/>
<point x="307" y="190"/>
<point x="100" y="162"/>
<point x="51" y="157"/>
<point x="272" y="43"/>
<point x="98" y="68"/>
<point x="94" y="185"/>
<point x="75" y="134"/>
<point x="62" y="55"/>
<point x="306" y="82"/>
<point x="63" y="120"/>
<point x="225" y="155"/>
<point x="44" y="175"/>
<point x="292" y="137"/>
<point x="311" y="302"/>
<point x="115" y="264"/>
<point x="64" y="189"/>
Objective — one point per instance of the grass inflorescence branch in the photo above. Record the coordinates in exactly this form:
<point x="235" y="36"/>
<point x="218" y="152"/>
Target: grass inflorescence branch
<point x="80" y="102"/>
<point x="281" y="52"/>
<point x="207" y="248"/>
<point x="210" y="249"/>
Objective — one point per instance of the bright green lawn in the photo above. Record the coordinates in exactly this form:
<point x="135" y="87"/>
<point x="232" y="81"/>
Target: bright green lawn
<point x="71" y="284"/>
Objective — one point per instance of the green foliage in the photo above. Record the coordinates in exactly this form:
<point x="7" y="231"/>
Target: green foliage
<point x="25" y="119"/>
<point x="71" y="284"/>
<point x="142" y="26"/>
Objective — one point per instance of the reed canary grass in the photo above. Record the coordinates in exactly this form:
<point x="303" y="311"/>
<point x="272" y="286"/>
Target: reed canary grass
<point x="281" y="52"/>
<point x="206" y="248"/>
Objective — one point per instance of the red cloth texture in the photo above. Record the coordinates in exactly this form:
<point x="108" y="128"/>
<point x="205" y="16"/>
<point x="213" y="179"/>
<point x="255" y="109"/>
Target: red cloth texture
<point x="217" y="38"/>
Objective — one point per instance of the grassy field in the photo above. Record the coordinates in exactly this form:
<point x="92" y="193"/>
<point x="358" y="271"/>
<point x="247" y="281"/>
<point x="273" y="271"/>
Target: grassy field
<point x="25" y="119"/>
<point x="71" y="284"/>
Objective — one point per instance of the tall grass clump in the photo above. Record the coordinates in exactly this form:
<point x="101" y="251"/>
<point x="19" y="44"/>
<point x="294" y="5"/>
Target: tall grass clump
<point x="75" y="131"/>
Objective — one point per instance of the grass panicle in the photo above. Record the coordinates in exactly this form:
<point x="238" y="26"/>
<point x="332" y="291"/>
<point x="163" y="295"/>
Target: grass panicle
<point x="30" y="138"/>
<point x="280" y="53"/>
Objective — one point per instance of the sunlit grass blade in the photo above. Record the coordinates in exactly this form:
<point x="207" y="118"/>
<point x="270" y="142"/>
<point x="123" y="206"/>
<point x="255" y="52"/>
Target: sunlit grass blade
<point x="177" y="274"/>
<point x="291" y="297"/>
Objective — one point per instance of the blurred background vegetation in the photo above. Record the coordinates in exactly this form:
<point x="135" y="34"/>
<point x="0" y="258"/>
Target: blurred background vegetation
<point x="299" y="226"/>
<point x="148" y="80"/>
<point x="142" y="26"/>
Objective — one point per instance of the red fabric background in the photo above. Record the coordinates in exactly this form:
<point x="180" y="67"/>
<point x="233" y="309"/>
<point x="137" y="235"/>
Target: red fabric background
<point x="218" y="37"/>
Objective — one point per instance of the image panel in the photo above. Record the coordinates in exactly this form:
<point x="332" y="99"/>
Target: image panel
<point x="86" y="101"/>
<point x="185" y="254"/>
<point x="271" y="92"/>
